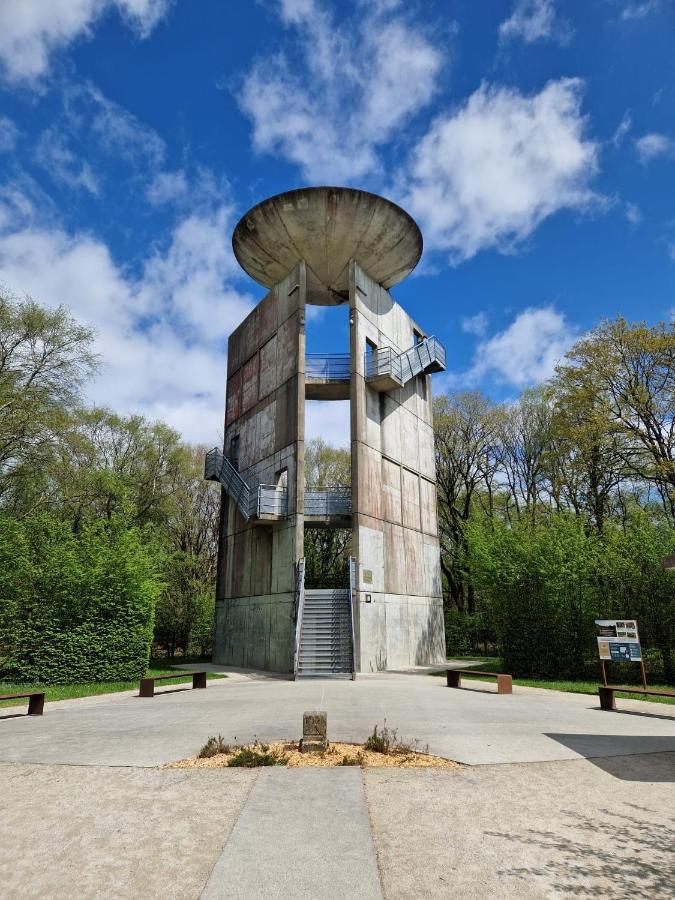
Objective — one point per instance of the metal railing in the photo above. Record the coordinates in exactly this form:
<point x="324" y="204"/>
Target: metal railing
<point x="299" y="610"/>
<point x="330" y="501"/>
<point x="327" y="366"/>
<point x="218" y="468"/>
<point x="427" y="356"/>
<point x="353" y="586"/>
<point x="272" y="501"/>
<point x="384" y="361"/>
<point x="252" y="502"/>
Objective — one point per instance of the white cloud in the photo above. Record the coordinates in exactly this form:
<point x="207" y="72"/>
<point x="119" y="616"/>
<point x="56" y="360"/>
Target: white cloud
<point x="185" y="188"/>
<point x="633" y="213"/>
<point x="90" y="127"/>
<point x="622" y="129"/>
<point x="54" y="156"/>
<point x="671" y="251"/>
<point x="167" y="187"/>
<point x="476" y="324"/>
<point x="161" y="333"/>
<point x="651" y="146"/>
<point x="527" y="351"/>
<point x="31" y="31"/>
<point x="116" y="130"/>
<point x="343" y="92"/>
<point x="9" y="134"/>
<point x="328" y="419"/>
<point x="639" y="10"/>
<point x="535" y="20"/>
<point x="491" y="172"/>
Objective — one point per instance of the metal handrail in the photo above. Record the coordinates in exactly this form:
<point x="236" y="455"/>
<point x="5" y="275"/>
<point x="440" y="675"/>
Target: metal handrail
<point x="327" y="366"/>
<point x="352" y="597"/>
<point x="332" y="500"/>
<point x="428" y="354"/>
<point x="272" y="500"/>
<point x="300" y="609"/>
<point x="218" y="468"/>
<point x="253" y="502"/>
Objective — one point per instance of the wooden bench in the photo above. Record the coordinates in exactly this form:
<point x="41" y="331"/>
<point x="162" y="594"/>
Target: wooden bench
<point x="504" y="682"/>
<point x="608" y="702"/>
<point x="36" y="701"/>
<point x="147" y="686"/>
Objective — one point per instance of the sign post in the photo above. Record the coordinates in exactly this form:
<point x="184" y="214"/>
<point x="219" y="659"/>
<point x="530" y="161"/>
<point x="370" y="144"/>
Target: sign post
<point x="618" y="641"/>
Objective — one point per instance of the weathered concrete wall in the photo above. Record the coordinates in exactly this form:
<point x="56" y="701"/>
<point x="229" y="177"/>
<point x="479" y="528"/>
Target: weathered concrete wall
<point x="255" y="593"/>
<point x="393" y="496"/>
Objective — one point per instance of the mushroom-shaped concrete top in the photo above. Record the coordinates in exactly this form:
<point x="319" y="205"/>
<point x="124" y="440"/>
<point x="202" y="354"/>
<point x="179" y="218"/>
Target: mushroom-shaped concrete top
<point x="327" y="227"/>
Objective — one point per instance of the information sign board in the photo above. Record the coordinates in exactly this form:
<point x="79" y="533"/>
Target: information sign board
<point x="618" y="640"/>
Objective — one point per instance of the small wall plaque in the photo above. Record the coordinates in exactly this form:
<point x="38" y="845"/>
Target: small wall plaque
<point x="367" y="576"/>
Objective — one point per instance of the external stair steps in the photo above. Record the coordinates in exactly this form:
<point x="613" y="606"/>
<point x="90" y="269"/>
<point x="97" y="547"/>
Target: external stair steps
<point x="326" y="634"/>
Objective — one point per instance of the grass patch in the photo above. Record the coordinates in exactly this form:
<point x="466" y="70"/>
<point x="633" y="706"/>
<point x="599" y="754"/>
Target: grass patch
<point x="73" y="691"/>
<point x="492" y="664"/>
<point x="257" y="755"/>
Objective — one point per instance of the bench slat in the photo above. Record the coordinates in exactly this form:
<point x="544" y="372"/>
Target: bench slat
<point x="177" y="675"/>
<point x="147" y="685"/>
<point x="606" y="693"/>
<point x="36" y="701"/>
<point x="504" y="682"/>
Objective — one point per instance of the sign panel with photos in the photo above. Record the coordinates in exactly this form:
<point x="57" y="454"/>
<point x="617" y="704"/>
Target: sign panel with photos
<point x="618" y="640"/>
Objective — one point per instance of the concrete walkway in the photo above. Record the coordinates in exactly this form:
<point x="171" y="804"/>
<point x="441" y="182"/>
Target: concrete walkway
<point x="303" y="833"/>
<point x="559" y="798"/>
<point x="475" y="726"/>
<point x="589" y="829"/>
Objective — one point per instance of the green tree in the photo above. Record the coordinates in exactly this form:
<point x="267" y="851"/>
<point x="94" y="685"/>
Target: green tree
<point x="45" y="358"/>
<point x="623" y="377"/>
<point x="326" y="550"/>
<point x="466" y="430"/>
<point x="186" y="607"/>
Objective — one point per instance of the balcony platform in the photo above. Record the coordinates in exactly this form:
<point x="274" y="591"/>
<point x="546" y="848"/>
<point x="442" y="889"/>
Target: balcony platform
<point x="326" y="390"/>
<point x="327" y="376"/>
<point x="329" y="521"/>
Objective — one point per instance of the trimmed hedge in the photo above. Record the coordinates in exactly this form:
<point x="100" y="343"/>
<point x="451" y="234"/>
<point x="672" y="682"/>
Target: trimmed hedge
<point x="75" y="608"/>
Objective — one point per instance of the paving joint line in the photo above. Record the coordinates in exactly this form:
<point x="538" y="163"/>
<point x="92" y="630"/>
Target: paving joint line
<point x="254" y="781"/>
<point x="378" y="861"/>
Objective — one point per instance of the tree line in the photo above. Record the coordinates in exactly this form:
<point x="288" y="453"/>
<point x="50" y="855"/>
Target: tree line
<point x="108" y="531"/>
<point x="556" y="509"/>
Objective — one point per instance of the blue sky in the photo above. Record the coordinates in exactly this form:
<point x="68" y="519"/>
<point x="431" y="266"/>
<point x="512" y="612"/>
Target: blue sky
<point x="533" y="141"/>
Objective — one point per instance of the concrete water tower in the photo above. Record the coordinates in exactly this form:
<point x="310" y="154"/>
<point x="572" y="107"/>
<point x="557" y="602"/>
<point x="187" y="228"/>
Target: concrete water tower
<point x="328" y="246"/>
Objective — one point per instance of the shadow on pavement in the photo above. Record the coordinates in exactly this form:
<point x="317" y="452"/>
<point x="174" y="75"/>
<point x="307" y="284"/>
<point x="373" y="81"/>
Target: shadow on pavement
<point x="630" y="758"/>
<point x="612" y="854"/>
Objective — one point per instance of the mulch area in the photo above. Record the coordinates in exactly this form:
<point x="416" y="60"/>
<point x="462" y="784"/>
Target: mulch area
<point x="333" y="756"/>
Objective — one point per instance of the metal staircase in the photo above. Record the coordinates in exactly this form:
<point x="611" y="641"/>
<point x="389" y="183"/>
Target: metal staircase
<point x="325" y="646"/>
<point x="387" y="370"/>
<point x="264" y="501"/>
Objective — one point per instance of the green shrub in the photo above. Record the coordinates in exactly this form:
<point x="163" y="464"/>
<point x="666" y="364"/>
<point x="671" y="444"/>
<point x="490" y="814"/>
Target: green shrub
<point x="251" y="758"/>
<point x="214" y="746"/>
<point x="83" y="611"/>
<point x="468" y="634"/>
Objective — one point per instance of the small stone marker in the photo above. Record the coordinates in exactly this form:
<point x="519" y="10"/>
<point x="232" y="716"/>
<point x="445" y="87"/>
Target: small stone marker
<point x="314" y="731"/>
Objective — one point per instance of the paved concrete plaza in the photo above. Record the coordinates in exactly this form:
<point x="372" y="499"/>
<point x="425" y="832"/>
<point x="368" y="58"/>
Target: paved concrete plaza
<point x="556" y="798"/>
